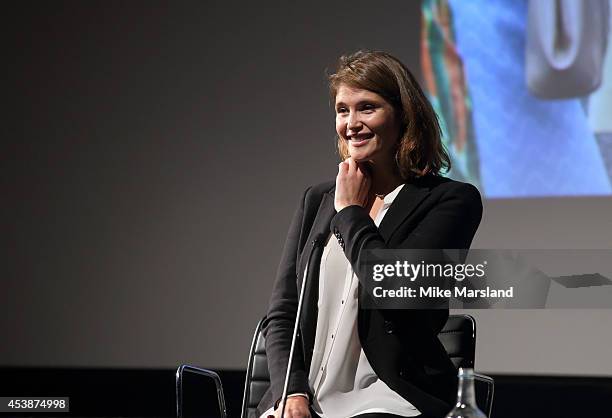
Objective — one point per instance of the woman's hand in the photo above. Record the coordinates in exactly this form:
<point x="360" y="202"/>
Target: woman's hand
<point x="352" y="185"/>
<point x="297" y="407"/>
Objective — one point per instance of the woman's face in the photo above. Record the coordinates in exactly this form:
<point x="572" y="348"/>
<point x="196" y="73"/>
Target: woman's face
<point x="368" y="123"/>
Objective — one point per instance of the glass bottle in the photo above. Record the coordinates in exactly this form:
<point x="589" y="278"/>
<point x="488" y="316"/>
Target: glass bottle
<point x="466" y="398"/>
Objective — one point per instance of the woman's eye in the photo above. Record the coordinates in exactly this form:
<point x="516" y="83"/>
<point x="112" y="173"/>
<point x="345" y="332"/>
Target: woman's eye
<point x="341" y="110"/>
<point x="368" y="108"/>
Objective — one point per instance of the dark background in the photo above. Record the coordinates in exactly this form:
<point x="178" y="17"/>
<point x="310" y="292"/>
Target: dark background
<point x="152" y="156"/>
<point x="158" y="153"/>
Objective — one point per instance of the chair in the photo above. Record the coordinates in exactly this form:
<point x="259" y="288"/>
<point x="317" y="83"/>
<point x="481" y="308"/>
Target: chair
<point x="458" y="337"/>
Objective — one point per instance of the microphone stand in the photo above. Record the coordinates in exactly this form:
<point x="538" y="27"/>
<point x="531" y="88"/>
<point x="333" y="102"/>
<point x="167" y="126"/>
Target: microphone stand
<point x="315" y="243"/>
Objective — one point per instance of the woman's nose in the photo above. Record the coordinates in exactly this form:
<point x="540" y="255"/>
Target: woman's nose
<point x="354" y="124"/>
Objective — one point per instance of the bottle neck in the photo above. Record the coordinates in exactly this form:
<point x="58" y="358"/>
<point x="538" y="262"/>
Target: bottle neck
<point x="466" y="394"/>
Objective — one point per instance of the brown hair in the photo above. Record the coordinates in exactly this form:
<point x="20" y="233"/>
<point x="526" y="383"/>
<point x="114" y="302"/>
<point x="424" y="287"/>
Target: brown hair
<point x="420" y="150"/>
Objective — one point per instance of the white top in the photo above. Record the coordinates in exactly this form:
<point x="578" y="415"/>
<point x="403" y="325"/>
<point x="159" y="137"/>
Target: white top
<point x="341" y="377"/>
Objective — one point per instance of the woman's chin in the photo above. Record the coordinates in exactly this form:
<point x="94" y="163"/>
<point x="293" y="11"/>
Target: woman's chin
<point x="361" y="157"/>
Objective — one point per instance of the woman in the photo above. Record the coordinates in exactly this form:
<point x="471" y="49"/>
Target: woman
<point x="351" y="361"/>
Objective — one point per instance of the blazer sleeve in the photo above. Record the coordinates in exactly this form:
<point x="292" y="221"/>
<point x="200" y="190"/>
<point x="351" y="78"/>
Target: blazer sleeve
<point x="281" y="315"/>
<point x="450" y="224"/>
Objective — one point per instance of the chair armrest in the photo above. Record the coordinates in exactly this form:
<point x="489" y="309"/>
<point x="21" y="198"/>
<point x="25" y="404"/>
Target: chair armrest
<point x="202" y="372"/>
<point x="488" y="380"/>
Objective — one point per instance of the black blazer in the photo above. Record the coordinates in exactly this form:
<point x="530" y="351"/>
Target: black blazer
<point x="401" y="345"/>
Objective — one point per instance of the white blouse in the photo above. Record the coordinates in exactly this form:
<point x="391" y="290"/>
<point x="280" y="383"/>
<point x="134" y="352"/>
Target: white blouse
<point x="341" y="377"/>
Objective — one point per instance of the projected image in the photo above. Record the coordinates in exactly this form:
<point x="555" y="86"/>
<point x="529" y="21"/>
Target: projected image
<point x="523" y="90"/>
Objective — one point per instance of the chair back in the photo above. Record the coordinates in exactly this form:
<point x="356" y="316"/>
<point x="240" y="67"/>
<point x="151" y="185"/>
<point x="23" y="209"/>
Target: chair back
<point x="458" y="338"/>
<point x="257" y="375"/>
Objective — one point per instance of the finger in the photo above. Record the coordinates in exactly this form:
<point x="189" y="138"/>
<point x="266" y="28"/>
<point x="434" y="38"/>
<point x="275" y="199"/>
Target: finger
<point x="343" y="166"/>
<point x="352" y="165"/>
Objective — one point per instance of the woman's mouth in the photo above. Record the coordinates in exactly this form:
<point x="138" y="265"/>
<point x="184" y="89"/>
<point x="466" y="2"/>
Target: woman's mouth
<point x="360" y="140"/>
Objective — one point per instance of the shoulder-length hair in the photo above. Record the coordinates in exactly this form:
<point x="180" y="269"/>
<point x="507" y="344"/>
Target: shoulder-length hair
<point x="420" y="150"/>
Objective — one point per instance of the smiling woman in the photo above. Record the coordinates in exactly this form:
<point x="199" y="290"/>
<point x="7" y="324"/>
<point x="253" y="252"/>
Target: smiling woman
<point x="388" y="193"/>
<point x="388" y="83"/>
<point x="368" y="123"/>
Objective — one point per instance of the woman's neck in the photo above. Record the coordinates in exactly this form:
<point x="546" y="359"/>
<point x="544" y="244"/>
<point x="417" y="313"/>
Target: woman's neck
<point x="384" y="181"/>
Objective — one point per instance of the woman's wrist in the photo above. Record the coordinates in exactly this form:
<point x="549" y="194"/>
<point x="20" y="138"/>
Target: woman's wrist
<point x="292" y="395"/>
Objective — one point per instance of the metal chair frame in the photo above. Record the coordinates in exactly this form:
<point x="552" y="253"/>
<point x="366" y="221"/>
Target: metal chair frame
<point x="468" y="362"/>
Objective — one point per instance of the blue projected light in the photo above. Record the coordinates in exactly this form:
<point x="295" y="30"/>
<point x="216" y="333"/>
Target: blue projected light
<point x="539" y="111"/>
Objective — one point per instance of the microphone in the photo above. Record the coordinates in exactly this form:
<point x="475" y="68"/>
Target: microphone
<point x="315" y="243"/>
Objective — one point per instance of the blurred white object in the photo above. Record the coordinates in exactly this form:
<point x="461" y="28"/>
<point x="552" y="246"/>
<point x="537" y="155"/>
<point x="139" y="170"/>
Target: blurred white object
<point x="566" y="46"/>
<point x="600" y="102"/>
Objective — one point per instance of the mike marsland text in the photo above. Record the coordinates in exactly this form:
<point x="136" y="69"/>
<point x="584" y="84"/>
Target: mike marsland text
<point x="438" y="292"/>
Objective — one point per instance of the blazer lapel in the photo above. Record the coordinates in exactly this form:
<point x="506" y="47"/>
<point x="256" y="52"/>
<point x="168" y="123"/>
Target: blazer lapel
<point x="404" y="204"/>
